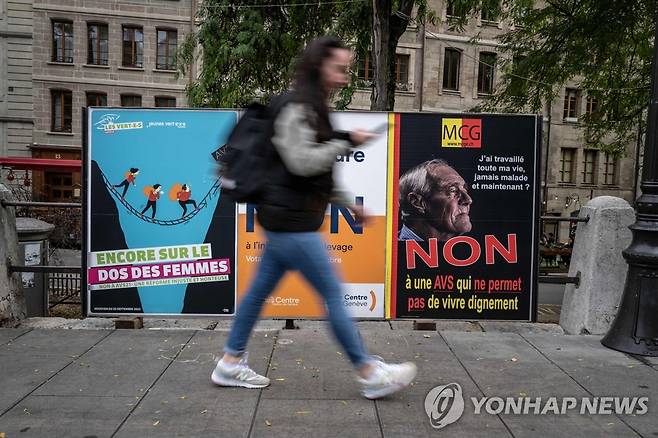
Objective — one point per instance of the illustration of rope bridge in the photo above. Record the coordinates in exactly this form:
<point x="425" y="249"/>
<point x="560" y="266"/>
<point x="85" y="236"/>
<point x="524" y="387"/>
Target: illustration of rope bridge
<point x="200" y="205"/>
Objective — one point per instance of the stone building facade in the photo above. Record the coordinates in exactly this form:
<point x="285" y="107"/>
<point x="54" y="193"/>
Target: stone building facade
<point x="64" y="55"/>
<point x="16" y="115"/>
<point x="100" y="53"/>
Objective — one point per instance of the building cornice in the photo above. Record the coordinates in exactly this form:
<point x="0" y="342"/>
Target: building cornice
<point x="461" y="39"/>
<point x="16" y="119"/>
<point x="109" y="83"/>
<point x="10" y="34"/>
<point x="98" y="12"/>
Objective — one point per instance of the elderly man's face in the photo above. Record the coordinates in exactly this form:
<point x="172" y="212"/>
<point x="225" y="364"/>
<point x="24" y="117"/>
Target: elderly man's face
<point x="449" y="204"/>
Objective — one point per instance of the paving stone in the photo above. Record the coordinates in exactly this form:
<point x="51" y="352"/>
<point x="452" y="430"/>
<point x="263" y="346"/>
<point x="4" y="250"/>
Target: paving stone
<point x="125" y="363"/>
<point x="31" y="359"/>
<point x="459" y="326"/>
<point x="309" y="364"/>
<point x="520" y="327"/>
<point x="505" y="365"/>
<point x="403" y="414"/>
<point x="604" y="372"/>
<point x="9" y="334"/>
<point x="66" y="417"/>
<point x="180" y="323"/>
<point x="262" y="325"/>
<point x="316" y="394"/>
<point x="316" y="418"/>
<point x="90" y="324"/>
<point x="44" y="322"/>
<point x="184" y="402"/>
<point x="40" y="342"/>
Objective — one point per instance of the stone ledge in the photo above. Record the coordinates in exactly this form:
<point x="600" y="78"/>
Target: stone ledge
<point x="521" y="328"/>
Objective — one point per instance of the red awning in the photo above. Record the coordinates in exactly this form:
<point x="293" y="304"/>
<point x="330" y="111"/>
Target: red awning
<point x="41" y="164"/>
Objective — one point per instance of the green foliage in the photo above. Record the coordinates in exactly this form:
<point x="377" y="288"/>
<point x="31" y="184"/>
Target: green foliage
<point x="604" y="46"/>
<point x="248" y="53"/>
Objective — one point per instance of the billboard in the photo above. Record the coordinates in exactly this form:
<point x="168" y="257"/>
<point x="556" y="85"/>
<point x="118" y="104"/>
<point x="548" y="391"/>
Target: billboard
<point x="160" y="237"/>
<point x="357" y="251"/>
<point x="452" y="199"/>
<point x="463" y="206"/>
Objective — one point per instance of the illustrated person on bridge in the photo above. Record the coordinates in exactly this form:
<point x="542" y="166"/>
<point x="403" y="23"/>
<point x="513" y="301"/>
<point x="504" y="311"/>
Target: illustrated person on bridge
<point x="183" y="197"/>
<point x="153" y="195"/>
<point x="292" y="209"/>
<point x="130" y="179"/>
<point x="434" y="202"/>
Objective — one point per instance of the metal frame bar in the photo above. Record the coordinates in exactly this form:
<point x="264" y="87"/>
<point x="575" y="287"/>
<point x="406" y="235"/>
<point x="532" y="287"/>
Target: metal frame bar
<point x="45" y="269"/>
<point x="41" y="204"/>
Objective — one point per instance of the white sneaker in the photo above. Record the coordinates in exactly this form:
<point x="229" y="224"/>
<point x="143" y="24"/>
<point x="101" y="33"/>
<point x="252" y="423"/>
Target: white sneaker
<point x="387" y="379"/>
<point x="238" y="374"/>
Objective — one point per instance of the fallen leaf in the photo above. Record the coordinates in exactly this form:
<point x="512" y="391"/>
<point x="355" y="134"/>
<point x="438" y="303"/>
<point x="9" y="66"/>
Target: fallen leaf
<point x="156" y="423"/>
<point x="344" y="402"/>
<point x="182" y="397"/>
<point x="267" y="422"/>
<point x="339" y="353"/>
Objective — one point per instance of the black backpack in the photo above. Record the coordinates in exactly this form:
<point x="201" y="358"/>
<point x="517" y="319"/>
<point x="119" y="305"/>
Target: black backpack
<point x="244" y="160"/>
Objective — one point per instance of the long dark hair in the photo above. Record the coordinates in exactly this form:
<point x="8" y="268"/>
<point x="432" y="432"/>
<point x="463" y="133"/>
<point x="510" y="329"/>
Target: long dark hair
<point x="308" y="81"/>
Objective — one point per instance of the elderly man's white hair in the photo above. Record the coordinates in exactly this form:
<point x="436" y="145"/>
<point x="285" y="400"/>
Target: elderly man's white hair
<point x="417" y="180"/>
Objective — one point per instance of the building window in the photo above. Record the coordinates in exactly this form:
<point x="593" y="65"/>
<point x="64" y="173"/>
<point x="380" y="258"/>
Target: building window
<point x="365" y="69"/>
<point x="61" y="111"/>
<point x="97" y="44"/>
<point x="96" y="99"/>
<point x="453" y="10"/>
<point x="451" y="62"/>
<point x="62" y="41"/>
<point x="486" y="72"/>
<point x="589" y="162"/>
<point x="132" y="100"/>
<point x="165" y="102"/>
<point x="59" y="186"/>
<point x="490" y="10"/>
<point x="402" y="70"/>
<point x="571" y="103"/>
<point x="133" y="47"/>
<point x="566" y="165"/>
<point x="591" y="104"/>
<point x="167" y="43"/>
<point x="610" y="170"/>
<point x="518" y="85"/>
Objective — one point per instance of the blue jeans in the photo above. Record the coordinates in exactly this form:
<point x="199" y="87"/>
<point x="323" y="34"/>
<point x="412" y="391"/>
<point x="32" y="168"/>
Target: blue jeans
<point x="306" y="253"/>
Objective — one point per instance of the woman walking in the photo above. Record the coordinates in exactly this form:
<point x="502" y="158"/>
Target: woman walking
<point x="291" y="212"/>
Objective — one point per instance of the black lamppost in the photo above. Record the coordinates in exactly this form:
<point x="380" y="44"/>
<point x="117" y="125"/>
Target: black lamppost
<point x="635" y="328"/>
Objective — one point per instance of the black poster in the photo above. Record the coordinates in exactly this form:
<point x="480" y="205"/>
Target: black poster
<point x="465" y="220"/>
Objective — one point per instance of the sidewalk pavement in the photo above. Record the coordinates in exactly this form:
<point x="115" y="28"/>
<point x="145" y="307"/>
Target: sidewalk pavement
<point x="149" y="382"/>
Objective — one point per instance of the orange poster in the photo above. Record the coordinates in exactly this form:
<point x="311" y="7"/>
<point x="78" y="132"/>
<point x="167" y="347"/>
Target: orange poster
<point x="358" y="252"/>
